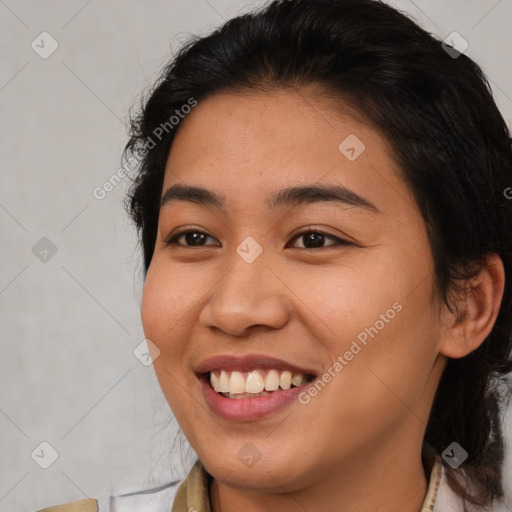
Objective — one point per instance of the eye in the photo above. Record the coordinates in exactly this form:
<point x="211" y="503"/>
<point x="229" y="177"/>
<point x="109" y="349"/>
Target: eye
<point x="314" y="239"/>
<point x="193" y="238"/>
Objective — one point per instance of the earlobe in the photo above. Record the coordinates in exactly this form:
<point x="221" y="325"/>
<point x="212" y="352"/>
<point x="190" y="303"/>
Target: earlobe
<point x="477" y="310"/>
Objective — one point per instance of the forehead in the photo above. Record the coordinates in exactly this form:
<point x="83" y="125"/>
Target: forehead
<point x="244" y="144"/>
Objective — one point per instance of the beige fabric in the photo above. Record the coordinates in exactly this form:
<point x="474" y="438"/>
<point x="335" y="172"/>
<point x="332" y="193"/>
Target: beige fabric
<point x="193" y="492"/>
<point x="433" y="486"/>
<point x="89" y="505"/>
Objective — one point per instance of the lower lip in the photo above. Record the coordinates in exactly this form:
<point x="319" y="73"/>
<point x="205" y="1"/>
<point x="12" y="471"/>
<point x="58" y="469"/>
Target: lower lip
<point x="247" y="409"/>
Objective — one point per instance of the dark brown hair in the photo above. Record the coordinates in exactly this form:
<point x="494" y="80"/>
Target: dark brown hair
<point x="436" y="110"/>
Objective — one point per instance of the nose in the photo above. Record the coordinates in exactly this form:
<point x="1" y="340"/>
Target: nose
<point x="249" y="295"/>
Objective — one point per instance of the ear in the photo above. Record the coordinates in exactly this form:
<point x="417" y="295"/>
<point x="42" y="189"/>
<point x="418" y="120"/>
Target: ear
<point x="467" y="327"/>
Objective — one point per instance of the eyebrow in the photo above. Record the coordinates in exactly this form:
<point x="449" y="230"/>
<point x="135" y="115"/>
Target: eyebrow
<point x="291" y="196"/>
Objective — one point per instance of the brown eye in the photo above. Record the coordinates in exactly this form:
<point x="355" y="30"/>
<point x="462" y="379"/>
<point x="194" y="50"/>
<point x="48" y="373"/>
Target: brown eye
<point x="192" y="238"/>
<point x="315" y="239"/>
<point x="312" y="239"/>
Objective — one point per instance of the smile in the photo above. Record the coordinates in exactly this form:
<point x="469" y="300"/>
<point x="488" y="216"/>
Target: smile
<point x="256" y="383"/>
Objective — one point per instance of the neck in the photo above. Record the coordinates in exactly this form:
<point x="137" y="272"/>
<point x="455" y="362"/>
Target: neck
<point x="384" y="484"/>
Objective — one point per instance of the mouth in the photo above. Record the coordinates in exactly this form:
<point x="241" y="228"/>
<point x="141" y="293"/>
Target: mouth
<point x="255" y="383"/>
<point x="251" y="376"/>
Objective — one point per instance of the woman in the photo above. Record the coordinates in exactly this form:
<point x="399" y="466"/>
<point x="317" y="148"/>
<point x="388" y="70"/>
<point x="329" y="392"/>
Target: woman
<point x="321" y="198"/>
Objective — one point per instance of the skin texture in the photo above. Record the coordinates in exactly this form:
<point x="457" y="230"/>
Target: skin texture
<point x="358" y="441"/>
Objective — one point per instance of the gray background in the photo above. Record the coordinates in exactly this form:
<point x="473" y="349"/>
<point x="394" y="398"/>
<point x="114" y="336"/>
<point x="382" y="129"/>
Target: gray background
<point x="70" y="324"/>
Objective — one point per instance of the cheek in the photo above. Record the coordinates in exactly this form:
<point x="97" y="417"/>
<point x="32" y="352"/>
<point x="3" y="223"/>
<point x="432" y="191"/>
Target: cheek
<point x="167" y="302"/>
<point x="348" y="299"/>
<point x="379" y="321"/>
<point x="155" y="310"/>
<point x="166" y="299"/>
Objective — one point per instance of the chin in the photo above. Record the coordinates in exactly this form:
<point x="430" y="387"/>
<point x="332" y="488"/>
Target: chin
<point x="263" y="475"/>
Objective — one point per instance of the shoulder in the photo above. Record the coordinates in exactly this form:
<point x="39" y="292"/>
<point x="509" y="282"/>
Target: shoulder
<point x="447" y="500"/>
<point x="89" y="505"/>
<point x="156" y="499"/>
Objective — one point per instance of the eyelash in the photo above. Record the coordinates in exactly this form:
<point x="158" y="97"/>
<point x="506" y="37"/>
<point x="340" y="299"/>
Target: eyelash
<point x="173" y="239"/>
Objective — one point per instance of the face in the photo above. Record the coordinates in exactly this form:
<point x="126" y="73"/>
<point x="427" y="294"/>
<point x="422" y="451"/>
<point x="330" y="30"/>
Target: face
<point x="306" y="258"/>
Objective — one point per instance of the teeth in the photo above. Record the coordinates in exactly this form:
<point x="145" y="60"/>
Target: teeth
<point x="246" y="395"/>
<point x="298" y="379"/>
<point x="272" y="381"/>
<point x="285" y="380"/>
<point x="243" y="385"/>
<point x="223" y="382"/>
<point x="214" y="381"/>
<point x="254" y="383"/>
<point x="236" y="383"/>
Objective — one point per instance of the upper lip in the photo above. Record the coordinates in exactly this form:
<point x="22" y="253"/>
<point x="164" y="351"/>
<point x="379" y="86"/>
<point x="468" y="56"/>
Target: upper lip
<point x="247" y="363"/>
